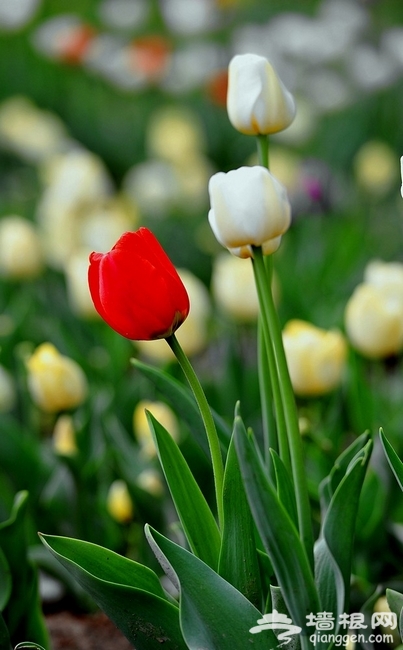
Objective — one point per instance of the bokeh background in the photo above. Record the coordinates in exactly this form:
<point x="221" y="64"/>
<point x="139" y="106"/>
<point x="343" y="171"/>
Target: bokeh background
<point x="112" y="116"/>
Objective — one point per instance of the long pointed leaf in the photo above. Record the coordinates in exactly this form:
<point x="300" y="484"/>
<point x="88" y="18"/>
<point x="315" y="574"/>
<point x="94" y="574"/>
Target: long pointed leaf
<point x="278" y="533"/>
<point x="130" y="594"/>
<point x="394" y="461"/>
<point x="284" y="486"/>
<point x="214" y="615"/>
<point x="197" y="520"/>
<point x="335" y="546"/>
<point x="238" y="556"/>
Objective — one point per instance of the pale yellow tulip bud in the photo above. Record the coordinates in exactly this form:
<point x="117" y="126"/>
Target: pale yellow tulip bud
<point x="150" y="481"/>
<point x="64" y="437"/>
<point x="376" y="167"/>
<point x="374" y="321"/>
<point x="119" y="502"/>
<point x="249" y="207"/>
<point x="233" y="287"/>
<point x="55" y="382"/>
<point x="8" y="395"/>
<point x="174" y="134"/>
<point x="257" y="100"/>
<point x="76" y="272"/>
<point x="21" y="254"/>
<point x="385" y="275"/>
<point x="161" y="412"/>
<point x="316" y="358"/>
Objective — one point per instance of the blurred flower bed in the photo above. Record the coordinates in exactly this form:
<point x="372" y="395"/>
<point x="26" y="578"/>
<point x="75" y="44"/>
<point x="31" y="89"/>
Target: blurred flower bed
<point x="112" y="116"/>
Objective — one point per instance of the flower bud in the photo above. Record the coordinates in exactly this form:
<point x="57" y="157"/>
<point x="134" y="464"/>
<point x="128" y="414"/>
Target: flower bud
<point x="316" y="358"/>
<point x="136" y="289"/>
<point x="249" y="207"/>
<point x="55" y="382"/>
<point x="64" y="438"/>
<point x="193" y="334"/>
<point x="119" y="503"/>
<point x="165" y="416"/>
<point x="376" y="167"/>
<point x="20" y="248"/>
<point x="374" y="321"/>
<point x="233" y="287"/>
<point x="385" y="275"/>
<point x="257" y="100"/>
<point x="76" y="272"/>
<point x="150" y="481"/>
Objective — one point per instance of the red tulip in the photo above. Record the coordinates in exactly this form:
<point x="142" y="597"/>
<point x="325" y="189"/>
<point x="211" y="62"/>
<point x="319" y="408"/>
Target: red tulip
<point x="136" y="289"/>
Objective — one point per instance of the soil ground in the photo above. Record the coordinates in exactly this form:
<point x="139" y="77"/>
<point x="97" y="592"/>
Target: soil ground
<point x="69" y="631"/>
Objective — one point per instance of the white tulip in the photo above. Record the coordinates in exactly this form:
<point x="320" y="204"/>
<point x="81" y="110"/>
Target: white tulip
<point x="257" y="100"/>
<point x="249" y="207"/>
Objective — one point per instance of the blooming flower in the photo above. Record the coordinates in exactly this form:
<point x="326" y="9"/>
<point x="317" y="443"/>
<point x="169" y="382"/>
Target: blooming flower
<point x="316" y="357"/>
<point x="257" y="100"/>
<point x="136" y="289"/>
<point x="249" y="207"/>
<point x="55" y="382"/>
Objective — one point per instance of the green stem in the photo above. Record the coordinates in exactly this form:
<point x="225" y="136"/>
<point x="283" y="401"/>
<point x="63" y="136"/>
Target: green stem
<point x="288" y="400"/>
<point x="263" y="287"/>
<point x="263" y="150"/>
<point x="270" y="440"/>
<point x="205" y="411"/>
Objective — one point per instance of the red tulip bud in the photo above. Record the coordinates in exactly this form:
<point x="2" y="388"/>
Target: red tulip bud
<point x="136" y="289"/>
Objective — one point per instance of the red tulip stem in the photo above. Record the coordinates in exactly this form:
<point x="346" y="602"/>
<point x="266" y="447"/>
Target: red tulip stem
<point x="205" y="411"/>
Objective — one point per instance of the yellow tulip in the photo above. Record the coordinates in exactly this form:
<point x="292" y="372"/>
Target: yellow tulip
<point x="374" y="321"/>
<point x="165" y="416"/>
<point x="21" y="255"/>
<point x="119" y="503"/>
<point x="316" y="357"/>
<point x="64" y="438"/>
<point x="55" y="382"/>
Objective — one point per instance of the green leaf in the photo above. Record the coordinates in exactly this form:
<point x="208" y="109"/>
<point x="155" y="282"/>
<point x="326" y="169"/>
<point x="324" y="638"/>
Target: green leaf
<point x="5" y="643"/>
<point x="184" y="404"/>
<point x="213" y="614"/>
<point x="238" y="556"/>
<point x="5" y="581"/>
<point x="329" y="485"/>
<point x="395" y="602"/>
<point x="334" y="549"/>
<point x="197" y="520"/>
<point x="394" y="461"/>
<point x="23" y="612"/>
<point x="284" y="485"/>
<point x="129" y="593"/>
<point x="278" y="533"/>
